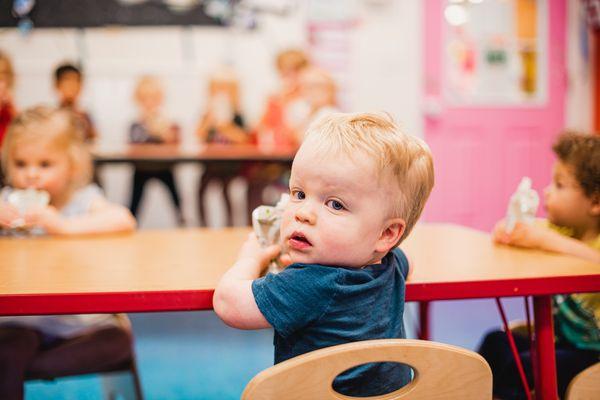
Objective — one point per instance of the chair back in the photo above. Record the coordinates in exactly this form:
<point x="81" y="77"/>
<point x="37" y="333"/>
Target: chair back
<point x="586" y="384"/>
<point x="440" y="372"/>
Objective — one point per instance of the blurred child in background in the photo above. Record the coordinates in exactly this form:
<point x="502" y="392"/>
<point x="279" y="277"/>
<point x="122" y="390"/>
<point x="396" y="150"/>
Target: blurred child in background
<point x="221" y="123"/>
<point x="572" y="202"/>
<point x="7" y="80"/>
<point x="152" y="127"/>
<point x="7" y="108"/>
<point x="319" y="98"/>
<point x="44" y="150"/>
<point x="276" y="126"/>
<point x="68" y="81"/>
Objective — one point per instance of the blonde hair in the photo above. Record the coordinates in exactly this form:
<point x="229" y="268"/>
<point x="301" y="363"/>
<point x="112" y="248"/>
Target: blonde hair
<point x="407" y="158"/>
<point x="291" y="59"/>
<point x="59" y="126"/>
<point x="225" y="77"/>
<point x="6" y="70"/>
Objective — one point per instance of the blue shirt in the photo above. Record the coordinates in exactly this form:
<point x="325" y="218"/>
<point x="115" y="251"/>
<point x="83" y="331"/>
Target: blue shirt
<point x="313" y="306"/>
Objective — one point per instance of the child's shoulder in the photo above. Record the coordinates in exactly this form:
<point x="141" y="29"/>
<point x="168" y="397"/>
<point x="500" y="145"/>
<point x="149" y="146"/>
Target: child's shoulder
<point x="310" y="272"/>
<point x="90" y="190"/>
<point x="569" y="232"/>
<point x="563" y="230"/>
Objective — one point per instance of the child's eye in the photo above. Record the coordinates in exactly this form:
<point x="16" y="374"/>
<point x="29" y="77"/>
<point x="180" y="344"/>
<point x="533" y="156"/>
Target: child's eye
<point x="298" y="195"/>
<point x="336" y="205"/>
<point x="19" y="163"/>
<point x="45" y="164"/>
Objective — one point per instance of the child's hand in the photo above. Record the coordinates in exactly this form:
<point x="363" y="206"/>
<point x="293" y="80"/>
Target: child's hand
<point x="252" y="251"/>
<point x="499" y="233"/>
<point x="523" y="235"/>
<point x="8" y="215"/>
<point x="45" y="217"/>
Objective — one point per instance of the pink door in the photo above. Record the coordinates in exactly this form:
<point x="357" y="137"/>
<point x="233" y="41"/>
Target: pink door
<point x="495" y="82"/>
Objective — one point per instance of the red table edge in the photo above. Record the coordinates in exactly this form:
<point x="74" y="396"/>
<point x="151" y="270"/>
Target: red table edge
<point x="190" y="300"/>
<point x="106" y="302"/>
<point x="502" y="288"/>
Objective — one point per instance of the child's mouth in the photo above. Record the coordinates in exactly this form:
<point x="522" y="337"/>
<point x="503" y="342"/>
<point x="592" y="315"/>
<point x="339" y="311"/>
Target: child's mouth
<point x="298" y="241"/>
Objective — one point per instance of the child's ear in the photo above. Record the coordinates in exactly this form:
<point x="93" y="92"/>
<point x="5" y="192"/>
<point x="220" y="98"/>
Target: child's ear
<point x="390" y="235"/>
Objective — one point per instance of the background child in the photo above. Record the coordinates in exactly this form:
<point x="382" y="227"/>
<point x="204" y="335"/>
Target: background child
<point x="319" y="93"/>
<point x="357" y="188"/>
<point x="221" y="123"/>
<point x="44" y="150"/>
<point x="572" y="202"/>
<point x="7" y="80"/>
<point x="276" y="128"/>
<point x="153" y="128"/>
<point x="68" y="80"/>
<point x="7" y="109"/>
<point x="274" y="125"/>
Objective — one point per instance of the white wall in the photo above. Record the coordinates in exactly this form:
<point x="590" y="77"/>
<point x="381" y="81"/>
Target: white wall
<point x="385" y="75"/>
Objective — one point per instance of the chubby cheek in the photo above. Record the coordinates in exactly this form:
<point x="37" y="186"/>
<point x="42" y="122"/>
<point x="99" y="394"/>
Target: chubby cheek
<point x="17" y="179"/>
<point x="286" y="221"/>
<point x="556" y="213"/>
<point x="346" y="241"/>
<point x="550" y="200"/>
<point x="56" y="183"/>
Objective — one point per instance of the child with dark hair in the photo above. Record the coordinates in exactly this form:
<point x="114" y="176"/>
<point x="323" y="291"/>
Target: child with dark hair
<point x="68" y="81"/>
<point x="573" y="227"/>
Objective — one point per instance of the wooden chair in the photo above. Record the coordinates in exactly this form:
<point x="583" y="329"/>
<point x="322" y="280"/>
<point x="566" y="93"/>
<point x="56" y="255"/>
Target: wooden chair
<point x="440" y="372"/>
<point x="113" y="385"/>
<point x="586" y="384"/>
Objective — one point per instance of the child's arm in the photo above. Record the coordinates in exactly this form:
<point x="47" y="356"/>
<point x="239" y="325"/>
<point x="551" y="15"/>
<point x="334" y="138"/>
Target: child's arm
<point x="233" y="300"/>
<point x="233" y="132"/>
<point x="103" y="217"/>
<point x="543" y="238"/>
<point x="169" y="133"/>
<point x="203" y="127"/>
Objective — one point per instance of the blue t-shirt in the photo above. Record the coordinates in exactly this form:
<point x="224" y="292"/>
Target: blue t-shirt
<point x="313" y="306"/>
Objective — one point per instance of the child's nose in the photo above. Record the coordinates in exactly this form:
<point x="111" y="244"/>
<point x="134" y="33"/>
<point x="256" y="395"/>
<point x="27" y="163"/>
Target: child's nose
<point x="305" y="215"/>
<point x="32" y="174"/>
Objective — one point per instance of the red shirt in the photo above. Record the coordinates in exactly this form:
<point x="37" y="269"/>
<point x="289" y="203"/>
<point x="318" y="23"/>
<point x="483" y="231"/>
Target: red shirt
<point x="7" y="113"/>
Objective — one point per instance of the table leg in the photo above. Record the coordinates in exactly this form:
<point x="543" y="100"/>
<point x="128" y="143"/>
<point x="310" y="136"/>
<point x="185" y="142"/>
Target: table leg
<point x="513" y="349"/>
<point x="424" y="320"/>
<point x="545" y="365"/>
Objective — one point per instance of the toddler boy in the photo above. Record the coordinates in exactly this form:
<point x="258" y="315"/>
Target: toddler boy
<point x="357" y="187"/>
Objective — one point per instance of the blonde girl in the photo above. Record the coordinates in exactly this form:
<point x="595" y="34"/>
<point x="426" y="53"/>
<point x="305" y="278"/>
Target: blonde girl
<point x="44" y="150"/>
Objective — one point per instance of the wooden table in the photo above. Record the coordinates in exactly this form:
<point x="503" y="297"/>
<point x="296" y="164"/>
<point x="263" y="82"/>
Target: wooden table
<point x="207" y="153"/>
<point x="178" y="270"/>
